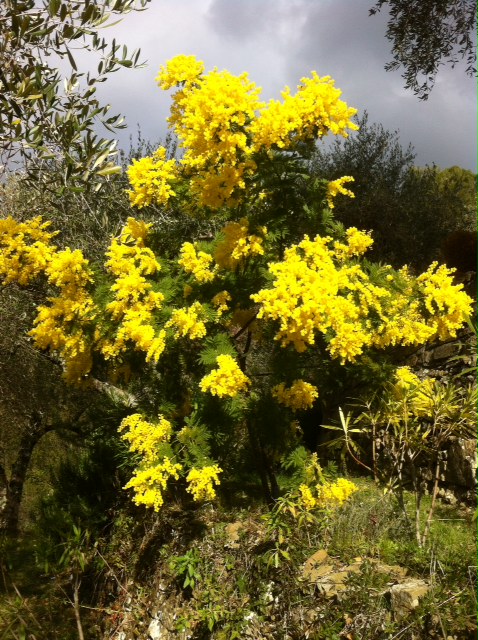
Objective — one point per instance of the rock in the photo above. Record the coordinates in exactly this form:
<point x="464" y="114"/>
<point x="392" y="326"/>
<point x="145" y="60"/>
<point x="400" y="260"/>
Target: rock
<point x="317" y="572"/>
<point x="316" y="566"/>
<point x="155" y="630"/>
<point x="333" y="583"/>
<point x="447" y="496"/>
<point x="233" y="531"/>
<point x="461" y="463"/>
<point x="394" y="571"/>
<point x="406" y="596"/>
<point x="445" y="351"/>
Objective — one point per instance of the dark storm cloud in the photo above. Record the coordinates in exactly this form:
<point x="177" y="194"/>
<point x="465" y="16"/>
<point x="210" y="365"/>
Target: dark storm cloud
<point x="339" y="38"/>
<point x="280" y="41"/>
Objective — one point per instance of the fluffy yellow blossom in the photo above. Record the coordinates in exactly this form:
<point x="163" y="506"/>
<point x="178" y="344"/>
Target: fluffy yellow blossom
<point x="318" y="288"/>
<point x="300" y="395"/>
<point x="334" y="494"/>
<point x="25" y="249"/>
<point x="144" y="437"/>
<point x="218" y="185"/>
<point x="406" y="379"/>
<point x="446" y="302"/>
<point x="221" y="123"/>
<point x="237" y="245"/>
<point x="151" y="179"/>
<point x="135" y="302"/>
<point x="149" y="482"/>
<point x="312" y="112"/>
<point x="226" y="380"/>
<point x="68" y="270"/>
<point x="306" y="499"/>
<point x="337" y="186"/>
<point x="186" y="322"/>
<point x="156" y="347"/>
<point x="357" y="243"/>
<point x="325" y="495"/>
<point x="135" y="230"/>
<point x="220" y="301"/>
<point x="178" y="70"/>
<point x="314" y="290"/>
<point x="151" y="477"/>
<point x="201" y="482"/>
<point x="197" y="263"/>
<point x="61" y="325"/>
<point x="210" y="118"/>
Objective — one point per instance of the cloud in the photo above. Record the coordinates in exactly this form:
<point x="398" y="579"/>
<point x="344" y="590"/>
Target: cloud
<point x="280" y="41"/>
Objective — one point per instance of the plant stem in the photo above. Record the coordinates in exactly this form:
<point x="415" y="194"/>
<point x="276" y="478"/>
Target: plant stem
<point x="76" y="607"/>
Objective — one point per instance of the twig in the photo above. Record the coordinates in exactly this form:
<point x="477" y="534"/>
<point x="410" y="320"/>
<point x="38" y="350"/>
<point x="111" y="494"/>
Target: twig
<point x="24" y="603"/>
<point x="113" y="573"/>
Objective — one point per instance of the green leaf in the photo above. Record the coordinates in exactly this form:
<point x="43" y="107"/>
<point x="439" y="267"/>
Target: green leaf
<point x="109" y="171"/>
<point x="216" y="346"/>
<point x="53" y="7"/>
<point x="71" y="59"/>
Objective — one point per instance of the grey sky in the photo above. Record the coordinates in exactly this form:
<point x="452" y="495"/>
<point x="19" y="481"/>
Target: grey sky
<point x="279" y="41"/>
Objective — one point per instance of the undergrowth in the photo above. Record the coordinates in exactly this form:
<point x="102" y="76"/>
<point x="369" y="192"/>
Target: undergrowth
<point x="222" y="573"/>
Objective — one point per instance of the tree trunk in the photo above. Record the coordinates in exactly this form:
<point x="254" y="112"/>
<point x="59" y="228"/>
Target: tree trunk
<point x="14" y="486"/>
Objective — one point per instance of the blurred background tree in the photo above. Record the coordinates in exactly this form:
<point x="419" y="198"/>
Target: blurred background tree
<point x="411" y="211"/>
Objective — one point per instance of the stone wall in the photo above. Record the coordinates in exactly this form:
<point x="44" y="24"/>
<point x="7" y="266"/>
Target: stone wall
<point x="455" y="359"/>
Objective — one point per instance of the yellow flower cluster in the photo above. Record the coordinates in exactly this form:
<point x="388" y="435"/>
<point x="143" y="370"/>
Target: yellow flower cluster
<point x="149" y="483"/>
<point x="312" y="112"/>
<point x="151" y="179"/>
<point x="25" y="249"/>
<point x="300" y="395"/>
<point x="326" y="495"/>
<point x="337" y="186"/>
<point x="427" y="307"/>
<point x="150" y="479"/>
<point x="226" y="380"/>
<point x="221" y="124"/>
<point x="220" y="301"/>
<point x="180" y="69"/>
<point x="186" y="322"/>
<point x="446" y="302"/>
<point x="318" y="288"/>
<point x="315" y="289"/>
<point x="202" y="481"/>
<point x="209" y="117"/>
<point x="306" y="498"/>
<point x="196" y="263"/>
<point x="59" y="325"/>
<point x="134" y="301"/>
<point x="237" y="245"/>
<point x="358" y="243"/>
<point x="143" y="436"/>
<point x="332" y="494"/>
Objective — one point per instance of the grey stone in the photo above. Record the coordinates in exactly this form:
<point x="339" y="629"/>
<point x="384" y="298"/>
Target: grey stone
<point x="233" y="533"/>
<point x="405" y="596"/>
<point x="445" y="351"/>
<point x="462" y="463"/>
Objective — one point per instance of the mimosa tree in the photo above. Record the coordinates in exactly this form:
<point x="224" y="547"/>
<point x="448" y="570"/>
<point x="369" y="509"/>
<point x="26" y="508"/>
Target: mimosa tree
<point x="231" y="336"/>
